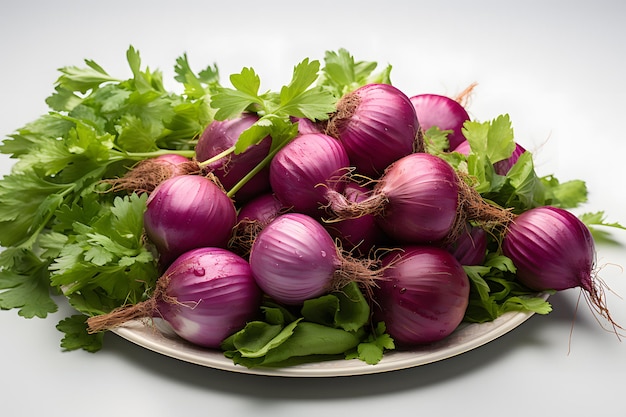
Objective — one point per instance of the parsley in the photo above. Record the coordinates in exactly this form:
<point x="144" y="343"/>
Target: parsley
<point x="521" y="188"/>
<point x="299" y="98"/>
<point x="61" y="232"/>
<point x="495" y="291"/>
<point x="342" y="73"/>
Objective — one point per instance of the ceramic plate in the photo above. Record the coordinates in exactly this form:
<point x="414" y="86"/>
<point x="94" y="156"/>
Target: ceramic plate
<point x="160" y="338"/>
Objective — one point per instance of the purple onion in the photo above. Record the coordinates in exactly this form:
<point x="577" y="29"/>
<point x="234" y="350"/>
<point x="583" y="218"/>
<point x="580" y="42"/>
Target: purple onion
<point x="422" y="296"/>
<point x="553" y="249"/>
<point x="377" y="125"/>
<point x="421" y="195"/>
<point x="361" y="233"/>
<point x="303" y="171"/>
<point x="215" y="296"/>
<point x="435" y="110"/>
<point x="252" y="218"/>
<point x="262" y="209"/>
<point x="471" y="246"/>
<point x="206" y="295"/>
<point x="187" y="212"/>
<point x="294" y="259"/>
<point x="220" y="136"/>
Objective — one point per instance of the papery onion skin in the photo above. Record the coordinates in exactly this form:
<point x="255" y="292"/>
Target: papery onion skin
<point x="377" y="125"/>
<point x="422" y="296"/>
<point x="303" y="170"/>
<point x="186" y="212"/>
<point x="422" y="195"/>
<point x="551" y="249"/>
<point x="210" y="295"/>
<point x="434" y="110"/>
<point x="294" y="259"/>
<point x="221" y="135"/>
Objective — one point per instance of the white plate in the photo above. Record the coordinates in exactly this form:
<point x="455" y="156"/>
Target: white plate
<point x="161" y="339"/>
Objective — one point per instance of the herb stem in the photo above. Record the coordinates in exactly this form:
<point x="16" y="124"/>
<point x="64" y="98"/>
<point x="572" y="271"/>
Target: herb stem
<point x="217" y="157"/>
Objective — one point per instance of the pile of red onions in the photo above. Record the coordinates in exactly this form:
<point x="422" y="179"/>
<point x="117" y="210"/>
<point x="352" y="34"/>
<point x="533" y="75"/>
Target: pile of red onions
<point x="314" y="219"/>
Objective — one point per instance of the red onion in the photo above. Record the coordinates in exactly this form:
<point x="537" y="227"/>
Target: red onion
<point x="501" y="167"/>
<point x="415" y="201"/>
<point x="435" y="110"/>
<point x="206" y="295"/>
<point x="553" y="249"/>
<point x="187" y="212"/>
<point x="303" y="171"/>
<point x="359" y="234"/>
<point x="307" y="125"/>
<point x="252" y="218"/>
<point x="422" y="296"/>
<point x="377" y="125"/>
<point x="294" y="259"/>
<point x="221" y="136"/>
<point x="471" y="246"/>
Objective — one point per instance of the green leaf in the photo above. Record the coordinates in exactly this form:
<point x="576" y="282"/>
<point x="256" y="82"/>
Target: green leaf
<point x="77" y="336"/>
<point x="342" y="73"/>
<point x="23" y="198"/>
<point x="24" y="281"/>
<point x="346" y="309"/>
<point x="493" y="139"/>
<point x="372" y="349"/>
<point x="83" y="79"/>
<point x="108" y="251"/>
<point x="569" y="194"/>
<point x="196" y="86"/>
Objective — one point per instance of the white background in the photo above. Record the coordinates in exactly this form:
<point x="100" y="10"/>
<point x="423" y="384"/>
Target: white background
<point x="557" y="67"/>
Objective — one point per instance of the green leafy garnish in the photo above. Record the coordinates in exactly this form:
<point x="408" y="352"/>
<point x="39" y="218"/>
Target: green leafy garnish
<point x="495" y="291"/>
<point x="329" y="327"/>
<point x="61" y="231"/>
<point x="342" y="73"/>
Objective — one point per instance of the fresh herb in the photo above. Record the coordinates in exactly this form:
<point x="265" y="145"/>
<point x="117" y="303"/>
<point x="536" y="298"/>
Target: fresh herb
<point x="62" y="232"/>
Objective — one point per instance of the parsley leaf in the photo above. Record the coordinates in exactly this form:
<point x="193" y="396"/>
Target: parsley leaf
<point x="296" y="99"/>
<point x="342" y="73"/>
<point x="494" y="291"/>
<point x="76" y="335"/>
<point x="24" y="280"/>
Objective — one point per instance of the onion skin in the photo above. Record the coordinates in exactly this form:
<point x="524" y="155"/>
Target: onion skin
<point x="422" y="194"/>
<point x="186" y="212"/>
<point x="294" y="259"/>
<point x="303" y="171"/>
<point x="377" y="125"/>
<point x="210" y="294"/>
<point x="262" y="209"/>
<point x="423" y="295"/>
<point x="471" y="247"/>
<point x="252" y="218"/>
<point x="442" y="112"/>
<point x="221" y="135"/>
<point x="361" y="233"/>
<point x="551" y="249"/>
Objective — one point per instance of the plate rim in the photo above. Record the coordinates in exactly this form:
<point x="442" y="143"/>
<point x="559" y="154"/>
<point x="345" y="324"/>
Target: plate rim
<point x="468" y="336"/>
